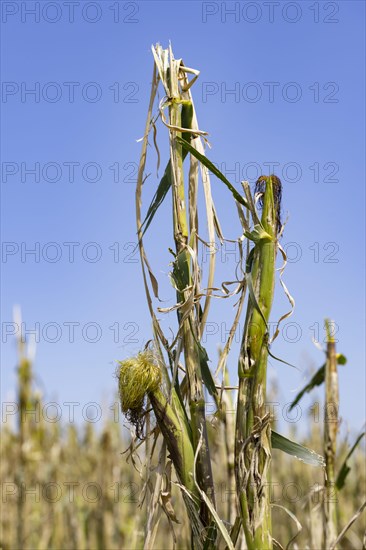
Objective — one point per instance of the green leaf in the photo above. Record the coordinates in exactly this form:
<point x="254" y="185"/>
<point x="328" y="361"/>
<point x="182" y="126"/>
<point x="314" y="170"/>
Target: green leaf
<point x="158" y="198"/>
<point x="206" y="372"/>
<point x="345" y="469"/>
<point x="316" y="380"/>
<point x="180" y="273"/>
<point x="295" y="449"/>
<point x="211" y="536"/>
<point x="281" y="361"/>
<point x="210" y="166"/>
<point x="258" y="234"/>
<point x="341" y="359"/>
<point x="166" y="180"/>
<point x="186" y="119"/>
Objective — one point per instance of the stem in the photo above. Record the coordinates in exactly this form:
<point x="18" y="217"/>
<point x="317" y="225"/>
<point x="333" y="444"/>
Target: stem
<point x="253" y="433"/>
<point x="229" y="434"/>
<point x="191" y="354"/>
<point x="24" y="396"/>
<point x="330" y="439"/>
<point x="176" y="436"/>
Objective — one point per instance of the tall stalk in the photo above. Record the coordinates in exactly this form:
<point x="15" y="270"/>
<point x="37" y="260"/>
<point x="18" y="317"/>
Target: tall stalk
<point x="24" y="399"/>
<point x="330" y="438"/>
<point x="252" y="448"/>
<point x="189" y="329"/>
<point x="229" y="436"/>
<point x="253" y="432"/>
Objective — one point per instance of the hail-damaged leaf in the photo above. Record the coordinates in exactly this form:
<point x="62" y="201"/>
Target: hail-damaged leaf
<point x="296" y="450"/>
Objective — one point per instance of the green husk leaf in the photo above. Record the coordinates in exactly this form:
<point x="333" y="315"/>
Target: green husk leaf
<point x="296" y="450"/>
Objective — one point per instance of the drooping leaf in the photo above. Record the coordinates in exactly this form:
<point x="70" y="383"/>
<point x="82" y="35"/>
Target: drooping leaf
<point x="280" y="360"/>
<point x="295" y="449"/>
<point x="345" y="469"/>
<point x="210" y="166"/>
<point x="316" y="380"/>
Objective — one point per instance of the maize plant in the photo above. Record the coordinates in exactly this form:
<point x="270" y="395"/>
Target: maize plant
<point x="26" y="400"/>
<point x="170" y="380"/>
<point x="253" y="431"/>
<point x="202" y="479"/>
<point x="331" y="425"/>
<point x="328" y="374"/>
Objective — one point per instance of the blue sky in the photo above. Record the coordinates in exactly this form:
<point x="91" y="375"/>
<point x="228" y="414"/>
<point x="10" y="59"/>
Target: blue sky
<point x="280" y="83"/>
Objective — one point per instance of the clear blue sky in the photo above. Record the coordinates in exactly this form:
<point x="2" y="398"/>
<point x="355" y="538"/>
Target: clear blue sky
<point x="296" y="73"/>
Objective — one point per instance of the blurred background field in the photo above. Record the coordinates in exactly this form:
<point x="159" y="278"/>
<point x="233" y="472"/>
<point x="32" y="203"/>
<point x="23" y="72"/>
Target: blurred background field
<point x="77" y="486"/>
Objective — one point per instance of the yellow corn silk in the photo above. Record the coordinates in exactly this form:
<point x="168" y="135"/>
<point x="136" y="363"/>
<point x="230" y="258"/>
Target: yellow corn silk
<point x="137" y="376"/>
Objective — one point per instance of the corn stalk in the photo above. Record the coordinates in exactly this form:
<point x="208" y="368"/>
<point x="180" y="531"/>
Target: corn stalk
<point x="25" y="402"/>
<point x="184" y="431"/>
<point x="253" y="436"/>
<point x="189" y="325"/>
<point x="253" y="431"/>
<point x="331" y="423"/>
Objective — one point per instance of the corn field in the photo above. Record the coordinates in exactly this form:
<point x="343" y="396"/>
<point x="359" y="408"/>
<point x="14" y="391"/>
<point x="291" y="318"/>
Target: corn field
<point x="81" y="492"/>
<point x="184" y="476"/>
